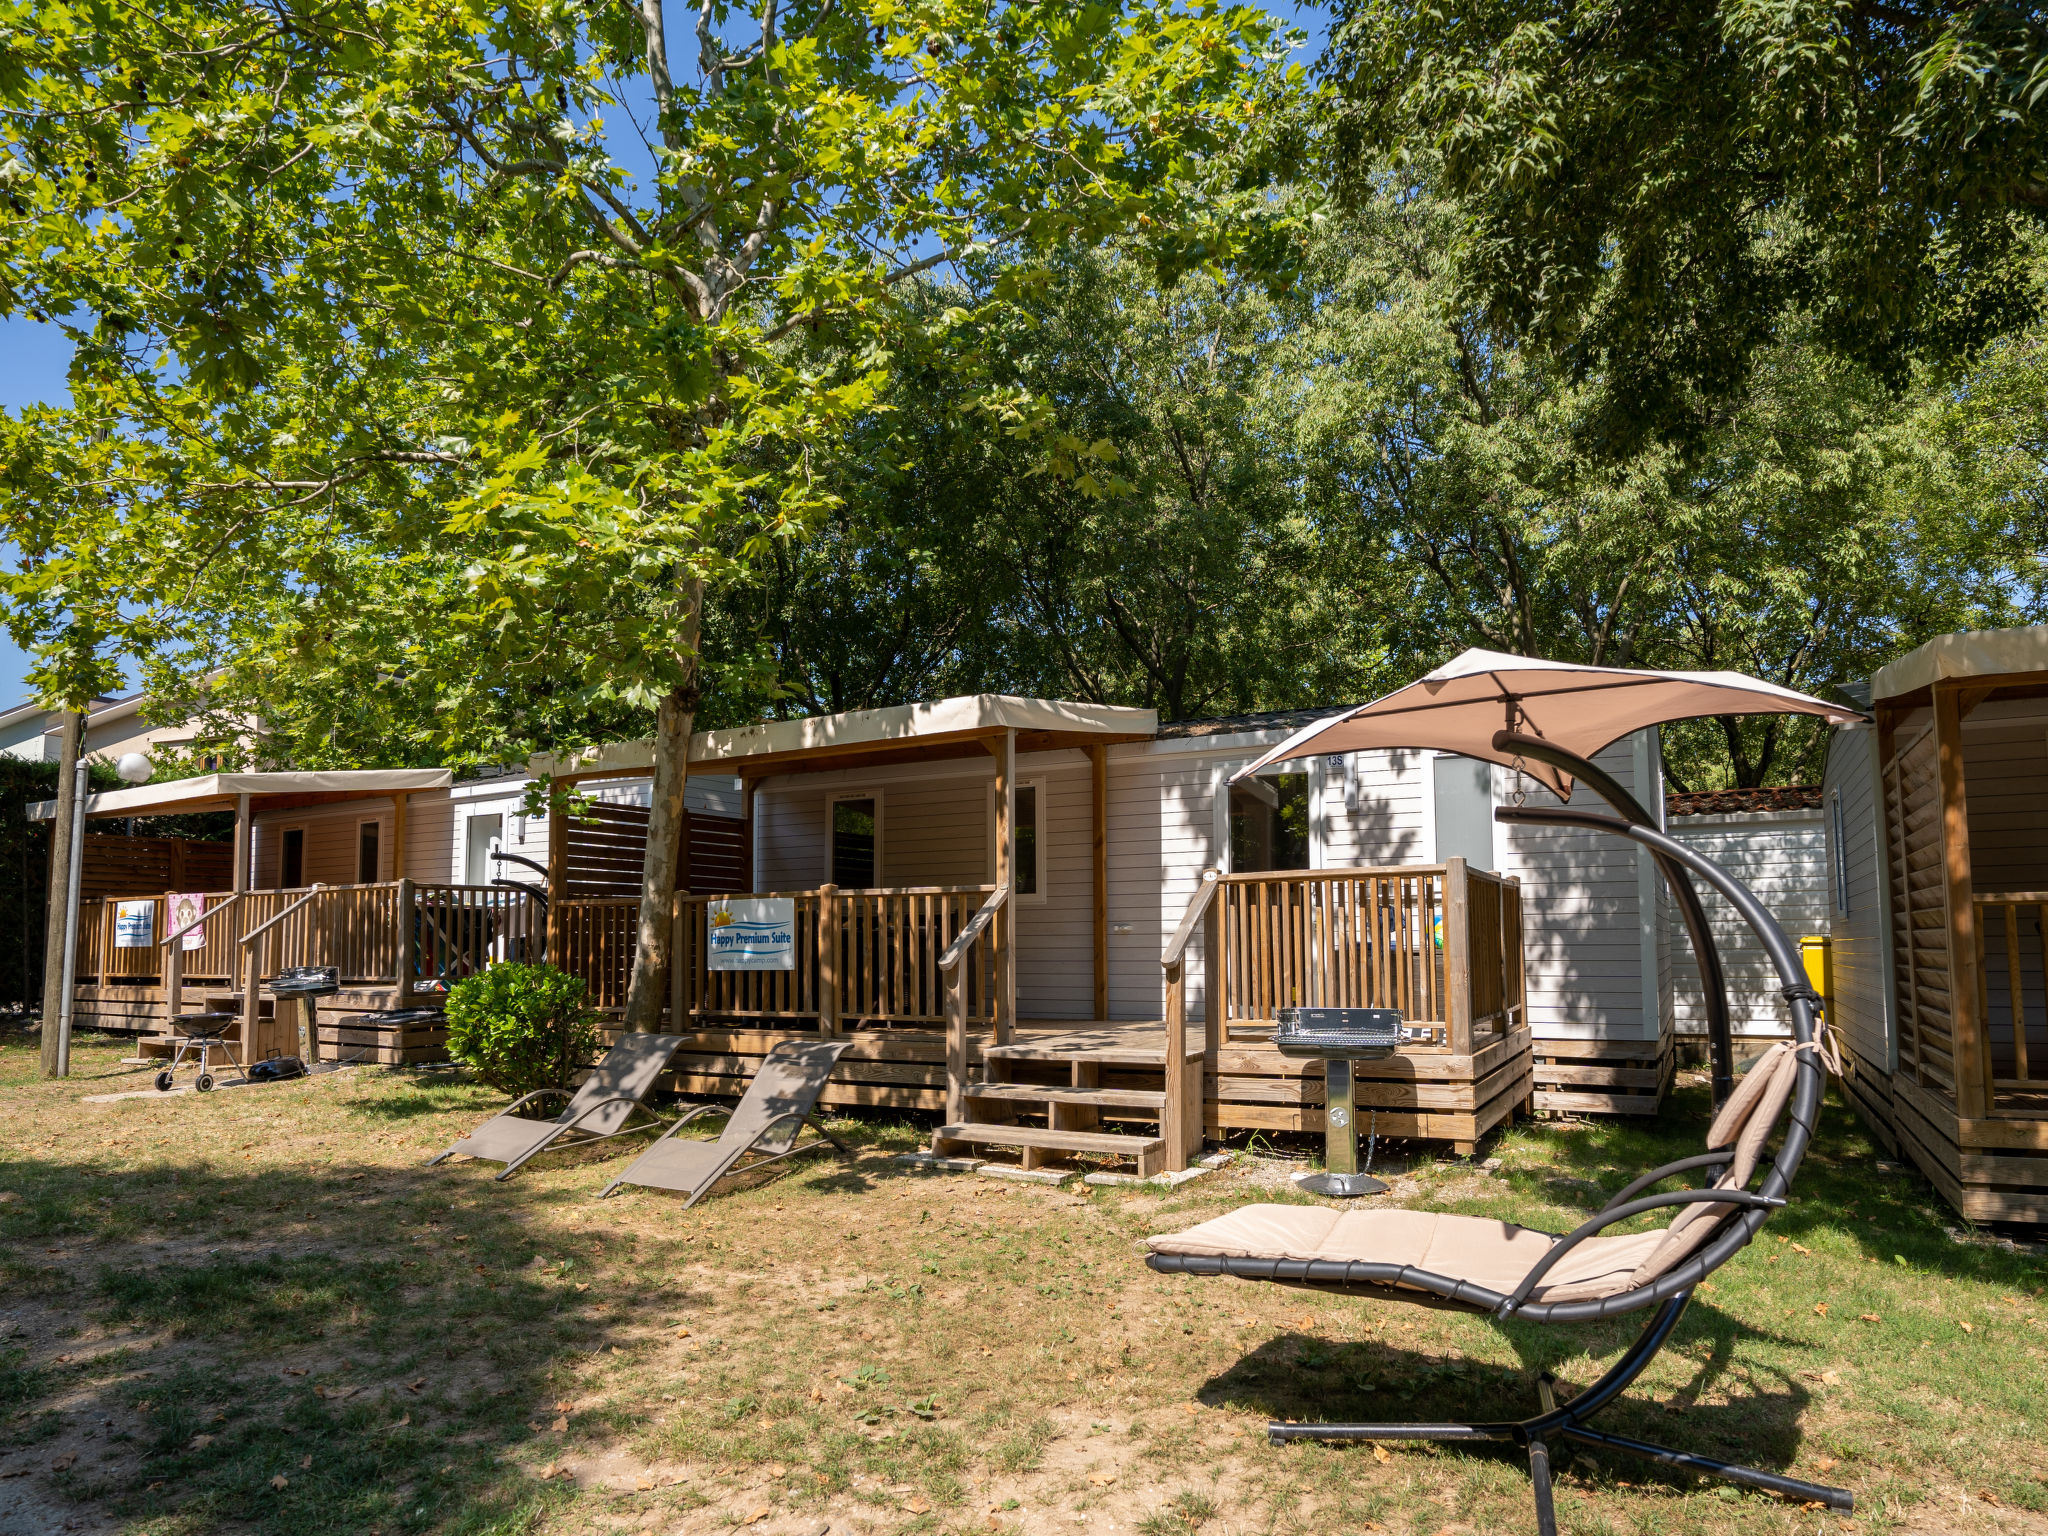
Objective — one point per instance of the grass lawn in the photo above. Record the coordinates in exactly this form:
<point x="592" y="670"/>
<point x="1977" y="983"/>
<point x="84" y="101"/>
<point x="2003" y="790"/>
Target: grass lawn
<point x="259" y="1311"/>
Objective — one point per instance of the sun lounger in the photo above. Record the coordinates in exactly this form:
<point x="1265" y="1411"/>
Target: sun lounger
<point x="603" y="1107"/>
<point x="766" y="1121"/>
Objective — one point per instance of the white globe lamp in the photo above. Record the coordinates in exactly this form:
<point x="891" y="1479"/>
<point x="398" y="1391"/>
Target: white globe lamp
<point x="135" y="768"/>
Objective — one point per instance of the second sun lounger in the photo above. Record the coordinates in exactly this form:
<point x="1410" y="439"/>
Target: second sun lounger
<point x="768" y="1119"/>
<point x="602" y="1108"/>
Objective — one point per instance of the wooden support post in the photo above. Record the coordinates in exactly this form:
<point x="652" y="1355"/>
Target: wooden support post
<point x="1215" y="974"/>
<point x="244" y="839"/>
<point x="558" y="872"/>
<point x="747" y="788"/>
<point x="399" y="863"/>
<point x="61" y="932"/>
<point x="1173" y="1115"/>
<point x="1004" y="747"/>
<point x="1458" y="955"/>
<point x="108" y="908"/>
<point x="829" y="958"/>
<point x="1966" y="1014"/>
<point x="678" y="957"/>
<point x="408" y="940"/>
<point x="173" y="975"/>
<point x="1098" y="764"/>
<point x="956" y="1044"/>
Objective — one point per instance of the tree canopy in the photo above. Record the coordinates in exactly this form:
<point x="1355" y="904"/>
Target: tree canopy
<point x="1659" y="193"/>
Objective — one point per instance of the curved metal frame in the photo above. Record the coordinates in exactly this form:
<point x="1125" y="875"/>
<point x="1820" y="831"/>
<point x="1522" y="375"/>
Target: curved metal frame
<point x="1670" y="1293"/>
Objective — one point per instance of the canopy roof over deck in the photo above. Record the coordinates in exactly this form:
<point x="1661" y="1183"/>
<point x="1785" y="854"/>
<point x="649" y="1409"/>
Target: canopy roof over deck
<point x="224" y="791"/>
<point x="1463" y="704"/>
<point x="2014" y="656"/>
<point x="869" y="737"/>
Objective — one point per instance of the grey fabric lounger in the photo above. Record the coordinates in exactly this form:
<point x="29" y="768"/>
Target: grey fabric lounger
<point x="777" y="1105"/>
<point x="605" y="1106"/>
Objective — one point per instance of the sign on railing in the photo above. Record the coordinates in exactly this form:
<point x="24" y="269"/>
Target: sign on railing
<point x="756" y="933"/>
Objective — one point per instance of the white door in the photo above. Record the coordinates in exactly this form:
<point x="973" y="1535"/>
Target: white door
<point x="486" y="835"/>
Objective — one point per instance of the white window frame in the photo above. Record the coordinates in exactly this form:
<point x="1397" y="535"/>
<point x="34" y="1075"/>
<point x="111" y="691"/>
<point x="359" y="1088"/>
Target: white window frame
<point x="832" y="798"/>
<point x="1037" y="897"/>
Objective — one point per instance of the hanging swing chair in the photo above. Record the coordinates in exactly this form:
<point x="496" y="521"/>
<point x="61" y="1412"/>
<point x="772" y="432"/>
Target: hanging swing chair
<point x="1557" y="716"/>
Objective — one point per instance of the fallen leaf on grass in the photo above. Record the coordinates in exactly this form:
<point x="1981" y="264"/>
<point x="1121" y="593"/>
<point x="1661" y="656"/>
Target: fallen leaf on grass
<point x="1801" y="1248"/>
<point x="1101" y="1479"/>
<point x="682" y="1333"/>
<point x="1820" y="1309"/>
<point x="565" y="1406"/>
<point x="559" y="1425"/>
<point x="918" y="1506"/>
<point x="1969" y="1327"/>
<point x="643" y="1484"/>
<point x="64" y="1461"/>
<point x="24" y="1471"/>
<point x="280" y="1482"/>
<point x="295" y="1370"/>
<point x="416" y="1385"/>
<point x="1870" y="1317"/>
<point x="305" y="1463"/>
<point x="63" y="1359"/>
<point x="758" y="1515"/>
<point x="1381" y="1455"/>
<point x="402" y="1423"/>
<point x="552" y="1470"/>
<point x="582" y="1285"/>
<point x="1193" y="1407"/>
<point x="201" y="1442"/>
<point x="1826" y="1464"/>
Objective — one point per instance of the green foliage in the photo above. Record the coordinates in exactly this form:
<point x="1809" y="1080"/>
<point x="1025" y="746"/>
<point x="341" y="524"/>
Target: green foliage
<point x="521" y="1027"/>
<point x="1659" y="194"/>
<point x="434" y="354"/>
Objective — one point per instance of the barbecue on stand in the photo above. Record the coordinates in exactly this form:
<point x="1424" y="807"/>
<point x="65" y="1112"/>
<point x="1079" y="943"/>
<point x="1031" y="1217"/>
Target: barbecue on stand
<point x="1546" y="719"/>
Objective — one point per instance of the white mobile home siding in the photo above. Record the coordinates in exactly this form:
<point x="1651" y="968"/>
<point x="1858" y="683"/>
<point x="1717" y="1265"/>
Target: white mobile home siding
<point x="1587" y="901"/>
<point x="1782" y="857"/>
<point x="1852" y="821"/>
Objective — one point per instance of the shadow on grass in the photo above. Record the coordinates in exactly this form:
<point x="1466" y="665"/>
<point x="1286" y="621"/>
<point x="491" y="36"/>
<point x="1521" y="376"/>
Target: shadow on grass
<point x="316" y="1368"/>
<point x="1308" y="1379"/>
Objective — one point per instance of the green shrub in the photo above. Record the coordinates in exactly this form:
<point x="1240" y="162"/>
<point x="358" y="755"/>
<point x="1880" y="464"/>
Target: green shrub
<point x="521" y="1027"/>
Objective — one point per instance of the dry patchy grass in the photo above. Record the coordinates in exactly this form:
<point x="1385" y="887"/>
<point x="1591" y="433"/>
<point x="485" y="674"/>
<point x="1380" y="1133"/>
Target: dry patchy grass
<point x="259" y="1311"/>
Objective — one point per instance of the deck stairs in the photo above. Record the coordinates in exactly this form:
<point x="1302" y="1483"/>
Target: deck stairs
<point x="1096" y="1090"/>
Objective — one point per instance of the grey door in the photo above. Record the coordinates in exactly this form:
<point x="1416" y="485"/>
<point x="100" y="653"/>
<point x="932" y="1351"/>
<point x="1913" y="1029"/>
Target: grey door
<point x="1464" y="810"/>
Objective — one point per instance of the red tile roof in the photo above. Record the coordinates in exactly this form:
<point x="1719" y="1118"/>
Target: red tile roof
<point x="1735" y="802"/>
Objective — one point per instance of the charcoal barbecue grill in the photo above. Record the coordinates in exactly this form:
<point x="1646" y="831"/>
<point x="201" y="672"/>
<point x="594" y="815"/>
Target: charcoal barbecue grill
<point x="201" y="1033"/>
<point x="1337" y="1037"/>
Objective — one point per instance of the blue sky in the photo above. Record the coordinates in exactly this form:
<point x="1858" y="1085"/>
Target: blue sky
<point x="34" y="358"/>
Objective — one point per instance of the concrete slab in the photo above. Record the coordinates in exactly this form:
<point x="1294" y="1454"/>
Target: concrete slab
<point x="936" y="1164"/>
<point x="1052" y="1176"/>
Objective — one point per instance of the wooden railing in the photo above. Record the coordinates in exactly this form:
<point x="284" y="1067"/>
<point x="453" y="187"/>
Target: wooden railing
<point x="1440" y="943"/>
<point x="1180" y="1119"/>
<point x="395" y="934"/>
<point x="593" y="938"/>
<point x="967" y="959"/>
<point x="862" y="957"/>
<point x="2012" y="986"/>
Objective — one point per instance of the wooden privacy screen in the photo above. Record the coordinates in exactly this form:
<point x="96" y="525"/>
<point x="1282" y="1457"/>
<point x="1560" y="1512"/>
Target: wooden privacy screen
<point x="607" y="849"/>
<point x="1919" y="938"/>
<point x="149" y="866"/>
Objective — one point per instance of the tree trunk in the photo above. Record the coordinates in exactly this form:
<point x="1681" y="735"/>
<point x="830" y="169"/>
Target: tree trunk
<point x="648" y="989"/>
<point x="73" y="742"/>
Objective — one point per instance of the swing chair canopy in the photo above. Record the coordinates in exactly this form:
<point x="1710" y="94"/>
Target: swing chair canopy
<point x="1462" y="704"/>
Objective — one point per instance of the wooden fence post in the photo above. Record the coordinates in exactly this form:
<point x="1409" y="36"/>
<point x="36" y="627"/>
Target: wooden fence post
<point x="1216" y="974"/>
<point x="829" y="958"/>
<point x="407" y="935"/>
<point x="677" y="957"/>
<point x="1458" y="956"/>
<point x="1173" y="1115"/>
<point x="956" y="1043"/>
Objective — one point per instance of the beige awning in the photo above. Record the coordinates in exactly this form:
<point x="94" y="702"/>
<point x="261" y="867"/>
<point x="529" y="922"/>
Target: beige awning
<point x="1974" y="653"/>
<point x="221" y="791"/>
<point x="866" y="737"/>
<point x="1459" y="707"/>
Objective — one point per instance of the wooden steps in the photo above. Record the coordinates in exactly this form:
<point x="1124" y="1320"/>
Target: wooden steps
<point x="1604" y="1077"/>
<point x="1103" y="1098"/>
<point x="1035" y="1142"/>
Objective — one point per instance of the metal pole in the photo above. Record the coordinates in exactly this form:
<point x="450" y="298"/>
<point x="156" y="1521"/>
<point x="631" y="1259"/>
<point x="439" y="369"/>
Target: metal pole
<point x="55" y="927"/>
<point x="77" y="861"/>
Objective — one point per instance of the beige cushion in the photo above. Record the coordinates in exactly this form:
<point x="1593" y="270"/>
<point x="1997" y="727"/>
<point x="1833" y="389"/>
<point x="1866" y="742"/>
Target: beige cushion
<point x="1495" y="1254"/>
<point x="1746" y="1120"/>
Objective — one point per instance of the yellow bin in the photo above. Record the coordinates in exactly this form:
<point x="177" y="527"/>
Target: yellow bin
<point x="1817" y="954"/>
